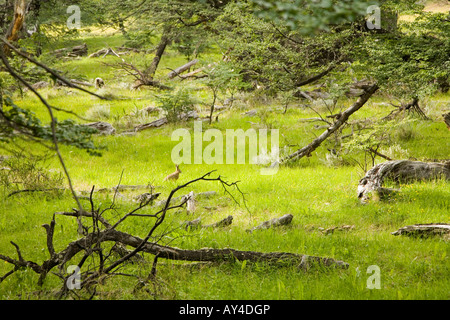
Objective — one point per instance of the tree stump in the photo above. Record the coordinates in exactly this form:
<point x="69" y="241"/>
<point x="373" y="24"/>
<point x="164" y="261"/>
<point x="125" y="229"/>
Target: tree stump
<point x="400" y="171"/>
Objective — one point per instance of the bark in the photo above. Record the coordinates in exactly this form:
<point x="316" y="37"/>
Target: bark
<point x="340" y="120"/>
<point x="400" y="171"/>
<point x="17" y="22"/>
<point x="150" y="72"/>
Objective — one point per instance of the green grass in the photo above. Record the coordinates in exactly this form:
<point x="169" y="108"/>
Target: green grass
<point x="318" y="196"/>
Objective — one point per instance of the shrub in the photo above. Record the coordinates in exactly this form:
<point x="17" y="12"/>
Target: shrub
<point x="23" y="171"/>
<point x="99" y="112"/>
<point x="176" y="104"/>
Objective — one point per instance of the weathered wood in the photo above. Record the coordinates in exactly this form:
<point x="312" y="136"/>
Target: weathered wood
<point x="153" y="124"/>
<point x="182" y="69"/>
<point x="146" y="198"/>
<point x="400" y="171"/>
<point x="275" y="222"/>
<point x="219" y="224"/>
<point x="17" y="23"/>
<point x="190" y="202"/>
<point x="425" y="230"/>
<point x="102" y="52"/>
<point x="104" y="128"/>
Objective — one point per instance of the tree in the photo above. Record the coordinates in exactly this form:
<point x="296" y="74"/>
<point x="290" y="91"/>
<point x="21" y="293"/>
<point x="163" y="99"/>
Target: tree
<point x="17" y="22"/>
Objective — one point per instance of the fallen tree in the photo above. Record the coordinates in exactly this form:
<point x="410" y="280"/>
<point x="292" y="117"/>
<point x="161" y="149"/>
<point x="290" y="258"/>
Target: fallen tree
<point x="399" y="171"/>
<point x="101" y="232"/>
<point x="340" y="120"/>
<point x="76" y="51"/>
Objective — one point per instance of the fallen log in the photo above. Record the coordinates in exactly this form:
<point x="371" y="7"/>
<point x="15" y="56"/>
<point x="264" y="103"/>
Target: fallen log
<point x="181" y="69"/>
<point x="153" y="124"/>
<point x="424" y="230"/>
<point x="399" y="171"/>
<point x="275" y="222"/>
<point x="77" y="51"/>
<point x="208" y="254"/>
<point x="162" y="121"/>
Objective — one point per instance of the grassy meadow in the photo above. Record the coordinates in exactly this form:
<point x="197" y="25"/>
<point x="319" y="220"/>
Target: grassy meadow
<point x="320" y="193"/>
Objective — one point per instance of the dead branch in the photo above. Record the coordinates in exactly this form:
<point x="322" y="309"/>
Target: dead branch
<point x="340" y="121"/>
<point x="410" y="107"/>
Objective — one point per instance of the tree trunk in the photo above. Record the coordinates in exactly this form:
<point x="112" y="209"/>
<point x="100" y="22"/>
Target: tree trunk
<point x="341" y="120"/>
<point x="400" y="171"/>
<point x="150" y="72"/>
<point x="17" y="23"/>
